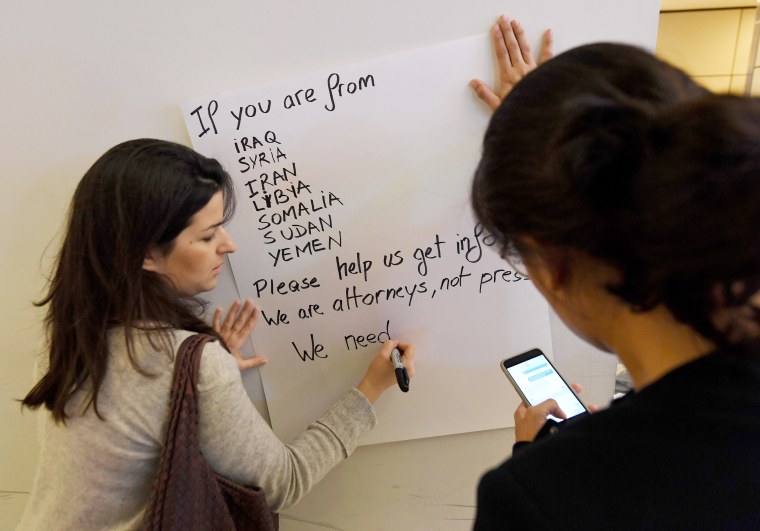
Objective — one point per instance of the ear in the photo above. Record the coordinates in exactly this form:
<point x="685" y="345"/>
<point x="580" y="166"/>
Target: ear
<point x="153" y="261"/>
<point x="550" y="266"/>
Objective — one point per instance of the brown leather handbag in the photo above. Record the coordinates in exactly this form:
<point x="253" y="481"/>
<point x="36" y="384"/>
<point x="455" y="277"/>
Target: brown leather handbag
<point x="187" y="494"/>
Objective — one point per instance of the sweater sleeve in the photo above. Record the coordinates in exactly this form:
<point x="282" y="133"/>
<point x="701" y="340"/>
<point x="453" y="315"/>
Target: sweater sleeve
<point x="241" y="446"/>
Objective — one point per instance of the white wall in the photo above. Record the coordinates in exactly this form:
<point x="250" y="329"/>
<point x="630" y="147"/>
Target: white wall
<point x="82" y="75"/>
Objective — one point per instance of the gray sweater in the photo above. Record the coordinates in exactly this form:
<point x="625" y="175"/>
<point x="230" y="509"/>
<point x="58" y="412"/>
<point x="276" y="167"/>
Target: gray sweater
<point x="97" y="474"/>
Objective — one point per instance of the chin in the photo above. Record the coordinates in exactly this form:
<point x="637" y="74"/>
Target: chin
<point x="208" y="287"/>
<point x="200" y="289"/>
<point x="601" y="345"/>
<point x="593" y="341"/>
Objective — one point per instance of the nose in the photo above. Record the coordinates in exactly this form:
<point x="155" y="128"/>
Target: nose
<point x="227" y="244"/>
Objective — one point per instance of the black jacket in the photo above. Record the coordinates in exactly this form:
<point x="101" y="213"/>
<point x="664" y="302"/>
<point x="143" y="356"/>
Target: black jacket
<point x="684" y="453"/>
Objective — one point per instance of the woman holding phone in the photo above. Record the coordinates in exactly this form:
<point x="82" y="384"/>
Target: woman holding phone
<point x="631" y="195"/>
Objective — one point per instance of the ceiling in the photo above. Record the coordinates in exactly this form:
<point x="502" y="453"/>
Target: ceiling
<point x="678" y="5"/>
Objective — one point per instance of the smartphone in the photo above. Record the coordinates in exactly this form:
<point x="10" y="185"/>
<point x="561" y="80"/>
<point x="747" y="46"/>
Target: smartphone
<point x="535" y="379"/>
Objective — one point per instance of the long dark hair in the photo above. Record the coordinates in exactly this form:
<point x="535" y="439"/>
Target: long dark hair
<point x="138" y="196"/>
<point x="607" y="150"/>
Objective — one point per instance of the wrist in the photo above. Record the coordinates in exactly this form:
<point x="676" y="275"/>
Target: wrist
<point x="371" y="391"/>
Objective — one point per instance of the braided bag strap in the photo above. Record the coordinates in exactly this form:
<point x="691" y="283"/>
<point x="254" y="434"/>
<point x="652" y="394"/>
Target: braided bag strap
<point x="187" y="494"/>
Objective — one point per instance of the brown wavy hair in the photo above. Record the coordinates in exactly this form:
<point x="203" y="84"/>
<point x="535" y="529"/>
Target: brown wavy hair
<point x="138" y="196"/>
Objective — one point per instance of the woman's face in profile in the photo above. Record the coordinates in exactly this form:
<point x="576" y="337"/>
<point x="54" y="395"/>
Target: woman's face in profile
<point x="576" y="295"/>
<point x="195" y="261"/>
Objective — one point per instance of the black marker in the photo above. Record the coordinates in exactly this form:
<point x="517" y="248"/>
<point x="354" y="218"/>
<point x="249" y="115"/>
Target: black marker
<point x="402" y="377"/>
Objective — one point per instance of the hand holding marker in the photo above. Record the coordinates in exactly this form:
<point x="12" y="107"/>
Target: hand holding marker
<point x="402" y="377"/>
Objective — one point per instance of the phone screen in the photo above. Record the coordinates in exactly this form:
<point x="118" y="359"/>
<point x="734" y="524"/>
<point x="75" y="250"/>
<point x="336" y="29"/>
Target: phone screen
<point x="539" y="381"/>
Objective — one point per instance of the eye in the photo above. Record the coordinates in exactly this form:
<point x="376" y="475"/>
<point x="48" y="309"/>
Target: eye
<point x="210" y="237"/>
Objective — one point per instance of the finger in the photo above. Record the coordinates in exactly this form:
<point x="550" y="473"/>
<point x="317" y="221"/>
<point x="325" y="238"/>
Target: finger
<point x="485" y="94"/>
<point x="216" y="322"/>
<point x="510" y="41"/>
<point x="549" y="407"/>
<point x="250" y="322"/>
<point x="547" y="46"/>
<point x="520" y="412"/>
<point x="244" y="315"/>
<point x="578" y="388"/>
<point x="229" y="320"/>
<point x="408" y="357"/>
<point x="499" y="46"/>
<point x="250" y="363"/>
<point x="559" y="413"/>
<point x="556" y="411"/>
<point x="536" y="417"/>
<point x="387" y="348"/>
<point x="593" y="408"/>
<point x="522" y="42"/>
<point x="407" y="349"/>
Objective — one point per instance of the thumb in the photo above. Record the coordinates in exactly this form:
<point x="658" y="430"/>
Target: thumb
<point x="250" y="363"/>
<point x="485" y="93"/>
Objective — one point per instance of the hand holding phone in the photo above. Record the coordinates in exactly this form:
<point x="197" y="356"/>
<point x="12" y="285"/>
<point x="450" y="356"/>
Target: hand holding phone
<point x="535" y="379"/>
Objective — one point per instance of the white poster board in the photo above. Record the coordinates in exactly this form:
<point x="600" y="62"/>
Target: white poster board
<point x="353" y="225"/>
